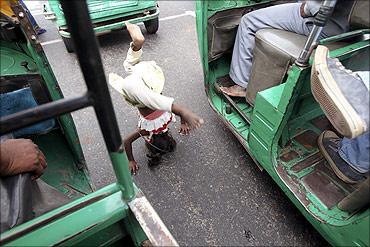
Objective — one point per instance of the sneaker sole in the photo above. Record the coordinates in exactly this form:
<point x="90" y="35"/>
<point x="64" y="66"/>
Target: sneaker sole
<point x="336" y="107"/>
<point x="331" y="162"/>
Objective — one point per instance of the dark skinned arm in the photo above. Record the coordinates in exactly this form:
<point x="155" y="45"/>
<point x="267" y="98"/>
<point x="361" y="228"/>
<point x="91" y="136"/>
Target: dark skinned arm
<point x="187" y="117"/>
<point x="128" y="148"/>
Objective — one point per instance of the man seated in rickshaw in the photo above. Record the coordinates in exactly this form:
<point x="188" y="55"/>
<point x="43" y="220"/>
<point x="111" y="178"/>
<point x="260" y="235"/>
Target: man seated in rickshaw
<point x="293" y="17"/>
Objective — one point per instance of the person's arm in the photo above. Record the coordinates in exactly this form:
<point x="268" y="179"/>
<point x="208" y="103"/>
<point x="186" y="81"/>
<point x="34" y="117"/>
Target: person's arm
<point x="310" y="8"/>
<point x="138" y="92"/>
<point x="19" y="156"/>
<point x="188" y="117"/>
<point x="128" y="148"/>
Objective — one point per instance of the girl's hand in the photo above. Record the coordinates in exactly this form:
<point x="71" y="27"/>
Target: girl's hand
<point x="133" y="166"/>
<point x="184" y="129"/>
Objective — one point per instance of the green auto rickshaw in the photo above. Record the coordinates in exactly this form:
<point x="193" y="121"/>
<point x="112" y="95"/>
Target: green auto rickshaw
<point x="63" y="207"/>
<point x="279" y="121"/>
<point x="107" y="16"/>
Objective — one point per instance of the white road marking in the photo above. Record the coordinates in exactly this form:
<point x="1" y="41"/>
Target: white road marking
<point x="51" y="42"/>
<point x="187" y="13"/>
<point x="191" y="13"/>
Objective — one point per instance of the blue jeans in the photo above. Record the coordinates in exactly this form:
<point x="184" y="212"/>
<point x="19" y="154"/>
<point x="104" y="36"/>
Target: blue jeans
<point x="356" y="152"/>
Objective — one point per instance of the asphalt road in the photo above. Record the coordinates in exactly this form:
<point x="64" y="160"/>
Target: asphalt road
<point x="209" y="192"/>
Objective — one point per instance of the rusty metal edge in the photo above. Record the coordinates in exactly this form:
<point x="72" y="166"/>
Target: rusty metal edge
<point x="150" y="222"/>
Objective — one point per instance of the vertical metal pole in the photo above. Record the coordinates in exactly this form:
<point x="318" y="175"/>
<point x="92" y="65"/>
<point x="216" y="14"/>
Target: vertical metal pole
<point x="86" y="46"/>
<point x="321" y="18"/>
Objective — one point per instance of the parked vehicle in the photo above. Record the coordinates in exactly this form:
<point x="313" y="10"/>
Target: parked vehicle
<point x="107" y="16"/>
<point x="63" y="207"/>
<point x="279" y="121"/>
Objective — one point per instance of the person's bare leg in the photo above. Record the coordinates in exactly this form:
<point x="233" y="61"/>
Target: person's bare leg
<point x="235" y="90"/>
<point x="136" y="36"/>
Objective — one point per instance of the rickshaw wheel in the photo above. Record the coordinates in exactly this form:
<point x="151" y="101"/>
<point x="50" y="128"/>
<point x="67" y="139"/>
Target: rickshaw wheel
<point x="152" y="26"/>
<point x="68" y="44"/>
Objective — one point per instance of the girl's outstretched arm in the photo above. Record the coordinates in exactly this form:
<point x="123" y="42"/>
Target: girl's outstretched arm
<point x="187" y="117"/>
<point x="133" y="166"/>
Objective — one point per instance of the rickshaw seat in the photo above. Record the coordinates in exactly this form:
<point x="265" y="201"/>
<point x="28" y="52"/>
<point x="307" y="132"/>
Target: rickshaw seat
<point x="274" y="52"/>
<point x="360" y="18"/>
<point x="23" y="199"/>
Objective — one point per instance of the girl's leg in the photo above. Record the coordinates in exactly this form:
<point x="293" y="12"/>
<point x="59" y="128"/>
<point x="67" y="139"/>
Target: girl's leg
<point x="136" y="36"/>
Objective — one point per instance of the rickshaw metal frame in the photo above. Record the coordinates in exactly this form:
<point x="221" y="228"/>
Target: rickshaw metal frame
<point x="279" y="109"/>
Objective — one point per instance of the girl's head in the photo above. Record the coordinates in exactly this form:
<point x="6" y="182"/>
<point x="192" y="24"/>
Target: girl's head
<point x="161" y="143"/>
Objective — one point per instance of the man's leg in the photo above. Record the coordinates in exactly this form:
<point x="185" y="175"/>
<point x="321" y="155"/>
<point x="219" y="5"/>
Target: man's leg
<point x="342" y="94"/>
<point x="349" y="159"/>
<point x="356" y="152"/>
<point x="344" y="97"/>
<point x="284" y="16"/>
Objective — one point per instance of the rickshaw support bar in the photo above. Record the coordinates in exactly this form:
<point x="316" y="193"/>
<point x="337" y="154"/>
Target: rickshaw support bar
<point x="87" y="50"/>
<point x="43" y="112"/>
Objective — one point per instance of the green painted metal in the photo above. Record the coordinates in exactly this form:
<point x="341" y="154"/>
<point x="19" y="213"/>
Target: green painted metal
<point x="67" y="168"/>
<point x="93" y="218"/>
<point x="107" y="15"/>
<point x="66" y="121"/>
<point x="62" y="172"/>
<point x="116" y="25"/>
<point x="123" y="174"/>
<point x="76" y="223"/>
<point x="279" y="114"/>
<point x="11" y="59"/>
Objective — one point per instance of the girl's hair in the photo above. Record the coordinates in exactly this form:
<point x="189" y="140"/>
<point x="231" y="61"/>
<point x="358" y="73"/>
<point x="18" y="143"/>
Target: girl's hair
<point x="161" y="143"/>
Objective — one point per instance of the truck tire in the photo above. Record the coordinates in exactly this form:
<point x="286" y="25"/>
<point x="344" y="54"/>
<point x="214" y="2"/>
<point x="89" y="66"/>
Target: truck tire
<point x="152" y="26"/>
<point x="68" y="44"/>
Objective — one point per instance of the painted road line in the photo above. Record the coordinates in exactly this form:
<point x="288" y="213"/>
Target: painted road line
<point x="51" y="42"/>
<point x="187" y="13"/>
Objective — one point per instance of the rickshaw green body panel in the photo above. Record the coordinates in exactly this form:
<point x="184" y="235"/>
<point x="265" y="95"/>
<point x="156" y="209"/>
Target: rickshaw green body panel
<point x="279" y="114"/>
<point x="67" y="169"/>
<point x="100" y="218"/>
<point x="106" y="15"/>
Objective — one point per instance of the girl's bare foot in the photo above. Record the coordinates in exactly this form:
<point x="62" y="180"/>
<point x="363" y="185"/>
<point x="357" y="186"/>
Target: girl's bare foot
<point x="136" y="36"/>
<point x="236" y="91"/>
